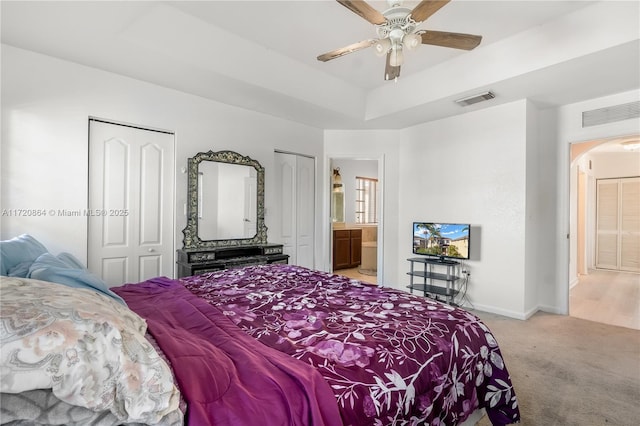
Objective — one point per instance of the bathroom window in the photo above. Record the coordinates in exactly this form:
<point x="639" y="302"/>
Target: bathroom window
<point x="366" y="200"/>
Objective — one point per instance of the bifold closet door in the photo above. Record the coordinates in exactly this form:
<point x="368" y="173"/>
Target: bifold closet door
<point x="296" y="180"/>
<point x="618" y="224"/>
<point x="131" y="174"/>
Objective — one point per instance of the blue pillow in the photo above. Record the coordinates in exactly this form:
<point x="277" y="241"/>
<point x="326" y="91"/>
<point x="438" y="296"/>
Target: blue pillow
<point x="16" y="251"/>
<point x="20" y="270"/>
<point x="64" y="270"/>
<point x="70" y="260"/>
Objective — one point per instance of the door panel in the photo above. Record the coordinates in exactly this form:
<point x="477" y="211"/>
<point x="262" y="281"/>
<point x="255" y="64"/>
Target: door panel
<point x="305" y="209"/>
<point x="131" y="175"/>
<point x="151" y="208"/>
<point x="630" y="225"/>
<point x="286" y="177"/>
<point x="607" y="225"/>
<point x="114" y="171"/>
<point x="150" y="266"/>
<point x="114" y="270"/>
<point x="296" y="180"/>
<point x="618" y="224"/>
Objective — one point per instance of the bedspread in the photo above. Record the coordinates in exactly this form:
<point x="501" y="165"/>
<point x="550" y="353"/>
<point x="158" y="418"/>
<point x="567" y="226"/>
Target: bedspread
<point x="226" y="377"/>
<point x="391" y="358"/>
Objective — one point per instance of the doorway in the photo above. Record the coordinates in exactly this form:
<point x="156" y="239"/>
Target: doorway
<point x="599" y="291"/>
<point x="131" y="198"/>
<point x="356" y="220"/>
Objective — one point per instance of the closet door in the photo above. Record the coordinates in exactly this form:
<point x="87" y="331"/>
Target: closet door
<point x="607" y="224"/>
<point x="296" y="180"/>
<point x="630" y="225"/>
<point x="618" y="224"/>
<point x="131" y="174"/>
<point x="305" y="210"/>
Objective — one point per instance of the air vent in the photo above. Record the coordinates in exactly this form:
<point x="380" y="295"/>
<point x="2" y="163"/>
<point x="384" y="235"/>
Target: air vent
<point x="481" y="97"/>
<point x="612" y="114"/>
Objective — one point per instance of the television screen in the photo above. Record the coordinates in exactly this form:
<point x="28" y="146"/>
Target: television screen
<point x="444" y="240"/>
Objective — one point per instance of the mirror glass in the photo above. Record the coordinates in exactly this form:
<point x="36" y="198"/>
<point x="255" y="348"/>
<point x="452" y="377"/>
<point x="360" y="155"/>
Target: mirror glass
<point x="337" y="206"/>
<point x="226" y="201"/>
<point x="225" y="204"/>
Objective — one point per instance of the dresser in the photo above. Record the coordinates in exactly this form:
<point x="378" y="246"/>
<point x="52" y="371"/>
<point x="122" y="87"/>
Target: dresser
<point x="198" y="261"/>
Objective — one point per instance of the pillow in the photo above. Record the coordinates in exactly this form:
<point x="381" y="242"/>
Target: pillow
<point x="18" y="250"/>
<point x="64" y="270"/>
<point x="70" y="260"/>
<point x="20" y="270"/>
<point x="85" y="347"/>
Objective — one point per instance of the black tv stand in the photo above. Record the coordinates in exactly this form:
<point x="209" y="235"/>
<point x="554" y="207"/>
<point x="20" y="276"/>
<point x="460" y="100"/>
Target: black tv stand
<point x="431" y="278"/>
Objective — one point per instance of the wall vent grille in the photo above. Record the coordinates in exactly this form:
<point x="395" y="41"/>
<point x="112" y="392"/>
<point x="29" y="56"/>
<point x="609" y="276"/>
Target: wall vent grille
<point x="485" y="96"/>
<point x="612" y="114"/>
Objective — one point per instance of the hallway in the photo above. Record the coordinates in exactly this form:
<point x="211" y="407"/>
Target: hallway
<point x="607" y="297"/>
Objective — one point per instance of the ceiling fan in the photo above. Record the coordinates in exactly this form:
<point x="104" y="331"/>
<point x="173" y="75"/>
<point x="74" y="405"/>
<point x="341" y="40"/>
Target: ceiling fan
<point x="397" y="31"/>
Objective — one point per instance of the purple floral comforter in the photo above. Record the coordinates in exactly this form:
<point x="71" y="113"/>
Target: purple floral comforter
<point x="225" y="377"/>
<point x="391" y="358"/>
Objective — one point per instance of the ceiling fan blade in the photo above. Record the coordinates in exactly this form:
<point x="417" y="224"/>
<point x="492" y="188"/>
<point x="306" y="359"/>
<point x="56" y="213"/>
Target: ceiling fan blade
<point x="346" y="50"/>
<point x="391" y="73"/>
<point x="454" y="40"/>
<point x="363" y="9"/>
<point x="426" y="8"/>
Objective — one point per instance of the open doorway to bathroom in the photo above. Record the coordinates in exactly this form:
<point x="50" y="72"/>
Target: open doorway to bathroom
<point x="605" y="232"/>
<point x="356" y="204"/>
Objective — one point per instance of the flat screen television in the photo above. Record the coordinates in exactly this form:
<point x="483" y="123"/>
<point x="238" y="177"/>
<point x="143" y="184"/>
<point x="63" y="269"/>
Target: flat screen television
<point x="442" y="240"/>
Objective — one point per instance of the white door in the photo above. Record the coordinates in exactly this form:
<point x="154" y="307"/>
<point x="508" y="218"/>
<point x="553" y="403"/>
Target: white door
<point x="305" y="210"/>
<point x="295" y="175"/>
<point x="630" y="224"/>
<point x="618" y="224"/>
<point x="131" y="184"/>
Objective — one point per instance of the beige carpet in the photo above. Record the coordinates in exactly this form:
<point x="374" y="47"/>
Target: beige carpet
<point x="569" y="371"/>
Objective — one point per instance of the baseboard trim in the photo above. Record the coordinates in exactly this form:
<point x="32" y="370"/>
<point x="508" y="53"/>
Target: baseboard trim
<point x="574" y="282"/>
<point x="551" y="310"/>
<point x="503" y="312"/>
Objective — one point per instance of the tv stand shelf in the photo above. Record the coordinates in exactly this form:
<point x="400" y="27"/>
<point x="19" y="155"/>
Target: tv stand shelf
<point x="434" y="284"/>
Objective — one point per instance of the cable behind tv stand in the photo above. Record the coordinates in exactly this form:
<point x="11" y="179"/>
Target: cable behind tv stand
<point x="434" y="283"/>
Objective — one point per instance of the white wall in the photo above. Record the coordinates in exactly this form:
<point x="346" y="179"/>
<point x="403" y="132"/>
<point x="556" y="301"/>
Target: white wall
<point x="46" y="104"/>
<point x="614" y="164"/>
<point x="544" y="206"/>
<point x="472" y="169"/>
<point x="466" y="169"/>
<point x="570" y="130"/>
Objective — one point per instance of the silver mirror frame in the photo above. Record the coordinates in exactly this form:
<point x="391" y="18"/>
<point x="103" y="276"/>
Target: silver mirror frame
<point x="191" y="239"/>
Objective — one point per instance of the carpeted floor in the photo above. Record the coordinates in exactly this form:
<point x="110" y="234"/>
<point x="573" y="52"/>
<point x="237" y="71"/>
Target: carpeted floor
<point x="568" y="371"/>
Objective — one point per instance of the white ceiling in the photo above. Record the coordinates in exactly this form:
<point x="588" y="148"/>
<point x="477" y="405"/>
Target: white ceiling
<point x="261" y="55"/>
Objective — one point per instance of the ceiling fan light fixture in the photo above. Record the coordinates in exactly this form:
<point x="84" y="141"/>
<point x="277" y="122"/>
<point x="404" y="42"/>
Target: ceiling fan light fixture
<point x="397" y="57"/>
<point x="382" y="46"/>
<point x="397" y="30"/>
<point x="411" y="41"/>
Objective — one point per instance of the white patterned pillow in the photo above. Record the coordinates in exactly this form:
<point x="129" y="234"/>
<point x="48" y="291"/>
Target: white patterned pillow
<point x="86" y="347"/>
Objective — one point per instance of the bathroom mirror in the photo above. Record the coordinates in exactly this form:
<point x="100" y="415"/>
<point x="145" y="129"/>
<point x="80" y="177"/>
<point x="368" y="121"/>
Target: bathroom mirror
<point x="225" y="201"/>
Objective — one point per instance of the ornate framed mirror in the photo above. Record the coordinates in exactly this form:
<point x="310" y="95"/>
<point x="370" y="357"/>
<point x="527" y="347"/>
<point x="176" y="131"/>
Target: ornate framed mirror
<point x="225" y="201"/>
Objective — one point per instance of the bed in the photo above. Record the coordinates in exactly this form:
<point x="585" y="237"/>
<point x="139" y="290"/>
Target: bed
<point x="273" y="344"/>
